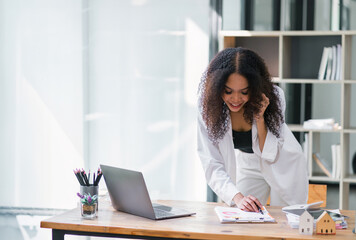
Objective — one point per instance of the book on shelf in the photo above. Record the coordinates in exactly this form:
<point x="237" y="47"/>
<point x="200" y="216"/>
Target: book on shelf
<point x="339" y="61"/>
<point x="335" y="153"/>
<point x="338" y="154"/>
<point x="323" y="63"/>
<point x="323" y="164"/>
<point x="327" y="124"/>
<point x="334" y="159"/>
<point x="330" y="63"/>
<point x="306" y="145"/>
<point x="334" y="61"/>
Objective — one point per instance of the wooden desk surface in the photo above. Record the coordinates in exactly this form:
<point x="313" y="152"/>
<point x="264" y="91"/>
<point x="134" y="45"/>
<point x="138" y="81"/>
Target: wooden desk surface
<point x="204" y="225"/>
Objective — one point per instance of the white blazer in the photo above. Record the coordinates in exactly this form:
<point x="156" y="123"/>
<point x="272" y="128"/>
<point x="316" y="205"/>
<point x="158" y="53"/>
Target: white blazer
<point x="283" y="164"/>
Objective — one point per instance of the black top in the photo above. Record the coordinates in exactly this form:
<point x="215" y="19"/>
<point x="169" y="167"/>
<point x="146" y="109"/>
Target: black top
<point x="242" y="141"/>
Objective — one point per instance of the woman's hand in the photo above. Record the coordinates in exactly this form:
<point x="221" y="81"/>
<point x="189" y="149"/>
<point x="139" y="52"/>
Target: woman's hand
<point x="249" y="203"/>
<point x="264" y="103"/>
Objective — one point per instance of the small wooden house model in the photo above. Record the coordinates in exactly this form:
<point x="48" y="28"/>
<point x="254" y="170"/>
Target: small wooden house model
<point x="325" y="224"/>
<point x="306" y="223"/>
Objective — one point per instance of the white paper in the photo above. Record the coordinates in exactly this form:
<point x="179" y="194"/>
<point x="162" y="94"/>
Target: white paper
<point x="230" y="214"/>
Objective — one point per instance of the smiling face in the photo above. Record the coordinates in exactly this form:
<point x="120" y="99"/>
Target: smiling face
<point x="236" y="92"/>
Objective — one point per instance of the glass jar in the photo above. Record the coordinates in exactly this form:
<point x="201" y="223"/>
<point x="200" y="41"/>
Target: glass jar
<point x="88" y="211"/>
<point x="92" y="190"/>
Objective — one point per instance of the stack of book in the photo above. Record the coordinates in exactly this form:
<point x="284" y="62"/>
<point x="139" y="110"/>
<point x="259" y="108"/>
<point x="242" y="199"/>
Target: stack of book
<point x="336" y="160"/>
<point x="331" y="170"/>
<point x="294" y="212"/>
<point x="326" y="123"/>
<point x="340" y="222"/>
<point x="330" y="64"/>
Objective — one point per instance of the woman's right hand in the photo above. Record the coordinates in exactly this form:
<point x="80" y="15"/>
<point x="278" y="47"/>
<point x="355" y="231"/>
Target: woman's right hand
<point x="248" y="203"/>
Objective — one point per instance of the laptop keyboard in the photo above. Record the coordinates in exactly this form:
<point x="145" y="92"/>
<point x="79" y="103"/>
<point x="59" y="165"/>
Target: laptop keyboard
<point x="161" y="213"/>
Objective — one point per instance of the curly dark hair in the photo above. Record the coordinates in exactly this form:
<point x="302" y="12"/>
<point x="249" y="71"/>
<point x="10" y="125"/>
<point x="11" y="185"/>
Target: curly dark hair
<point x="248" y="64"/>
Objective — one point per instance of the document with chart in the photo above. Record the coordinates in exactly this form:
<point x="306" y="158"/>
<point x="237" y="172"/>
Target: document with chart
<point x="231" y="214"/>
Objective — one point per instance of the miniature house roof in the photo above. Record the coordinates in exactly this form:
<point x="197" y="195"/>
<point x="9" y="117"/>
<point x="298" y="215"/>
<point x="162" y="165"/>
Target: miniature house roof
<point x="324" y="216"/>
<point x="306" y="215"/>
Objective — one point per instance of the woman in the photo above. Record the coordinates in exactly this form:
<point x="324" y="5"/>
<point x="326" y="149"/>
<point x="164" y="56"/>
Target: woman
<point x="247" y="151"/>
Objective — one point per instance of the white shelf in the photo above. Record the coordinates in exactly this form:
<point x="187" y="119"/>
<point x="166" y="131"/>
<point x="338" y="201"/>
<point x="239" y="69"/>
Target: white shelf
<point x="324" y="179"/>
<point x="246" y="33"/>
<point x="300" y="128"/>
<point x="311" y="81"/>
<point x="349" y="130"/>
<point x="250" y="33"/>
<point x="350" y="81"/>
<point x="350" y="179"/>
<point x="296" y="128"/>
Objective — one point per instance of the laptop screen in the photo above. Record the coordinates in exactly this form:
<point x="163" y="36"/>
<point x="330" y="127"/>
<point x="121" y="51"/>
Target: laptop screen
<point x="128" y="191"/>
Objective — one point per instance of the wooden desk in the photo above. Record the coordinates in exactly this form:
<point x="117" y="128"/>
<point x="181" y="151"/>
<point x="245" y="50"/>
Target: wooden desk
<point x="203" y="225"/>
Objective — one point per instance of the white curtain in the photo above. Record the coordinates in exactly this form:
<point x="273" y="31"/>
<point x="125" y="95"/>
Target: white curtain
<point x="145" y="63"/>
<point x="41" y="102"/>
<point x="90" y="82"/>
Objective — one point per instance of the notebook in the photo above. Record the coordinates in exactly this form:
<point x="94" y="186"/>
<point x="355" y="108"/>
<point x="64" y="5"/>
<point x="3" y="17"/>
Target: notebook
<point x="128" y="193"/>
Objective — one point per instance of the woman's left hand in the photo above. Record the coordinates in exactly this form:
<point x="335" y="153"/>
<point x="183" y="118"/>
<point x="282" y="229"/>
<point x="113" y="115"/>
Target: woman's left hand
<point x="264" y="103"/>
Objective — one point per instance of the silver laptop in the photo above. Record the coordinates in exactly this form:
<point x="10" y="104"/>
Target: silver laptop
<point x="128" y="193"/>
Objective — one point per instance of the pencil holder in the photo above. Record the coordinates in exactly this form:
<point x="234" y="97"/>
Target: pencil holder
<point x="92" y="190"/>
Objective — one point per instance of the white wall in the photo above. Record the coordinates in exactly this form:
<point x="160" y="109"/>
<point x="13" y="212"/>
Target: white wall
<point x="322" y="19"/>
<point x="90" y="82"/>
<point x="231" y="18"/>
<point x="263" y="15"/>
